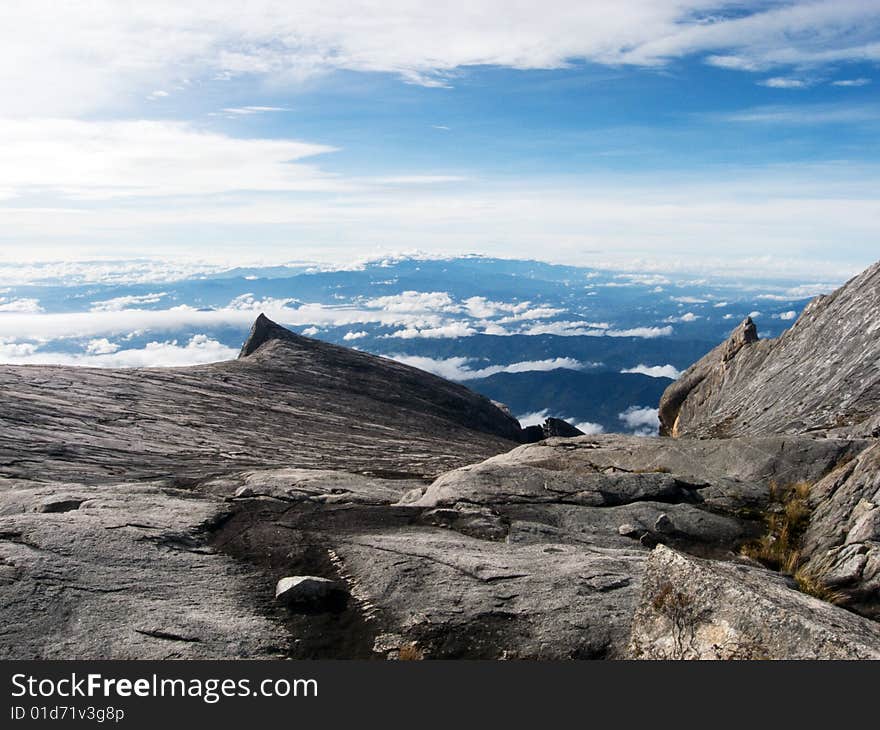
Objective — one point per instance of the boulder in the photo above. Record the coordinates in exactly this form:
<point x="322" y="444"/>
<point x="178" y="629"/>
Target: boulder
<point x="691" y="608"/>
<point x="309" y="592"/>
<point x="556" y="427"/>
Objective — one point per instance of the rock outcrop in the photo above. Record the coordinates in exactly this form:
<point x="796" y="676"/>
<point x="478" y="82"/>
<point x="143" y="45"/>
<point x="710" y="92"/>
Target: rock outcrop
<point x="697" y="609"/>
<point x="820" y="376"/>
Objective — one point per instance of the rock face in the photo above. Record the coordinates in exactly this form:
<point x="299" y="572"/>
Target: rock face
<point x="842" y="541"/>
<point x="697" y="609"/>
<point x="127" y="574"/>
<point x="822" y="375"/>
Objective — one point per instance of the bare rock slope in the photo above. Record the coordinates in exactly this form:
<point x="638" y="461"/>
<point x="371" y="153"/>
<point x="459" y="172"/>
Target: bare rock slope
<point x="288" y="400"/>
<point x="820" y="376"/>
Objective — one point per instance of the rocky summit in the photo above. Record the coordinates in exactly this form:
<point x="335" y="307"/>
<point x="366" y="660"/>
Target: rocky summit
<point x="309" y="501"/>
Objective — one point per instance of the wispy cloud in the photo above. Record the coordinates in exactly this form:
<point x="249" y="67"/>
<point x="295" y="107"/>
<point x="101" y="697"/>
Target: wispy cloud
<point x="781" y="82"/>
<point x="421" y="42"/>
<point x="464" y="368"/>
<point x="87" y="160"/>
<point x="807" y="114"/>
<point x="851" y="82"/>
<point x="249" y="110"/>
<point x="131" y="301"/>
<point x="101" y="353"/>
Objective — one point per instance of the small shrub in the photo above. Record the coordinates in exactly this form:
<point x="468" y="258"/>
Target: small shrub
<point x="684" y="616"/>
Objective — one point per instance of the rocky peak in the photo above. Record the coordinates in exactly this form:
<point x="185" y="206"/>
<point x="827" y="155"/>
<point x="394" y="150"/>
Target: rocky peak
<point x="264" y="330"/>
<point x="743" y="335"/>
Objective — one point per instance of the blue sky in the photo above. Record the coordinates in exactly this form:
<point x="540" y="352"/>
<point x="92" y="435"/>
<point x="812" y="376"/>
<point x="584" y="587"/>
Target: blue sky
<point x="636" y="134"/>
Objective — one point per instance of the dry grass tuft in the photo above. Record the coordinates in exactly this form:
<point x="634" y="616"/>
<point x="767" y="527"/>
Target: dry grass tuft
<point x="410" y="653"/>
<point x="786" y="519"/>
<point x="811" y="584"/>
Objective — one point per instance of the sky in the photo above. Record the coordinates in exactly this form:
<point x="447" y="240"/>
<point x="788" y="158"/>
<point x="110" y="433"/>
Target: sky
<point x="637" y="134"/>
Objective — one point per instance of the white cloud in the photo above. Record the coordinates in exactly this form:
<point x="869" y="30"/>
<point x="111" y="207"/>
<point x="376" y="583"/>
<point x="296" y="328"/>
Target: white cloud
<point x="462" y="368"/>
<point x="851" y="82"/>
<point x="117" y="304"/>
<point x="688" y="300"/>
<point x="247" y="302"/>
<point x="564" y="328"/>
<point x="642" y="420"/>
<point x="646" y="279"/>
<point x="781" y="82"/>
<point x="644" y="332"/>
<point x="451" y="330"/>
<point x="589" y="428"/>
<point x="533" y="419"/>
<point x="101" y="346"/>
<point x="310" y="331"/>
<point x="567" y="329"/>
<point x="104" y="271"/>
<point x="686" y="317"/>
<point x="354" y="335"/>
<point x="535" y="313"/>
<point x="655" y="371"/>
<point x="807" y="114"/>
<point x="789" y="315"/>
<point x="20" y="305"/>
<point x="414" y="301"/>
<point x="11" y="351"/>
<point x="91" y="160"/>
<point x="249" y="110"/>
<point x="482" y="307"/>
<point x="72" y="60"/>
<point x="641" y="223"/>
<point x="199" y="349"/>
